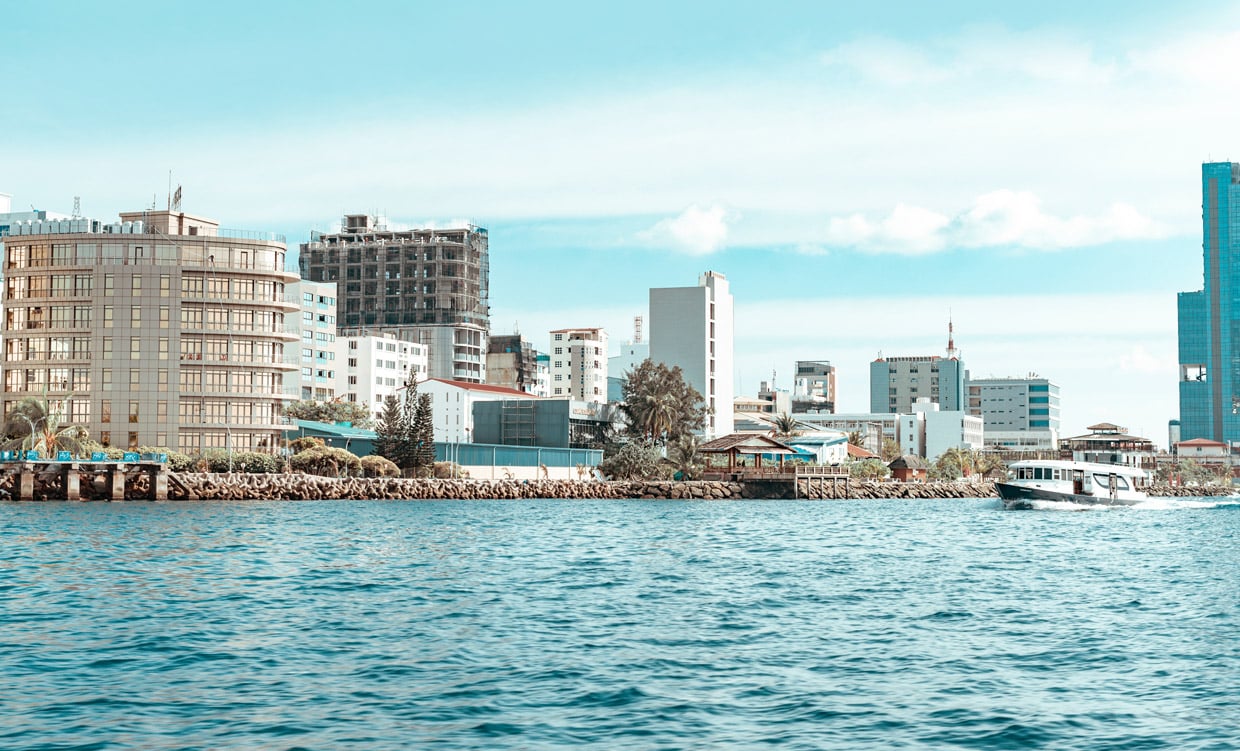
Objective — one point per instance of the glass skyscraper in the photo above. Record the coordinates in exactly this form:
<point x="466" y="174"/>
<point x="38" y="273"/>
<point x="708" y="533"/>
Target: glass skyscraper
<point x="1209" y="320"/>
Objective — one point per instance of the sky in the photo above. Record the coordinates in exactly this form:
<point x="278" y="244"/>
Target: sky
<point x="861" y="175"/>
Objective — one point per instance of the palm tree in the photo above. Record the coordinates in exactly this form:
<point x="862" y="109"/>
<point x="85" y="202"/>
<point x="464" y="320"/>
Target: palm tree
<point x="984" y="463"/>
<point x="953" y="463"/>
<point x="34" y="424"/>
<point x="785" y="426"/>
<point x="682" y="455"/>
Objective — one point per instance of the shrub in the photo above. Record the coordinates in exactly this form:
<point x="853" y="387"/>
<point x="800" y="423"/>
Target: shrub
<point x="635" y="460"/>
<point x="177" y="462"/>
<point x="256" y="463"/>
<point x="326" y="461"/>
<point x="299" y="445"/>
<point x="443" y="471"/>
<point x="378" y="466"/>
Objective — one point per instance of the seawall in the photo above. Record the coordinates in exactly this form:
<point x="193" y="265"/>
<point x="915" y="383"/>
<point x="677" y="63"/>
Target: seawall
<point x="309" y="487"/>
<point x="261" y="487"/>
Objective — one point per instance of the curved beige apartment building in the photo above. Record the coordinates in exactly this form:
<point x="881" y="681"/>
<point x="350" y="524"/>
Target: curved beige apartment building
<point x="158" y="330"/>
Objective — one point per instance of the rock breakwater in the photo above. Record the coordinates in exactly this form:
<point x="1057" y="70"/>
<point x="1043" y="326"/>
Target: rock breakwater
<point x="309" y="487"/>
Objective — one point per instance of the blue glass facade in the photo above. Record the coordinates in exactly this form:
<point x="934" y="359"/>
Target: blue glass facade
<point x="1209" y="320"/>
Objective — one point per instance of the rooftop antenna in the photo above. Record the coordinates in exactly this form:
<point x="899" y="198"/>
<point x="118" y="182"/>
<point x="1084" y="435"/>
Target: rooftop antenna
<point x="77" y="207"/>
<point x="169" y="191"/>
<point x="176" y="200"/>
<point x="952" y="352"/>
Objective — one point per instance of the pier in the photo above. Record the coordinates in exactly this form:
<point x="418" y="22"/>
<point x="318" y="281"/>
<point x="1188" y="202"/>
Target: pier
<point x="35" y="480"/>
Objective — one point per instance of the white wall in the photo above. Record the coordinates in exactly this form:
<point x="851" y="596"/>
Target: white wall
<point x="682" y="333"/>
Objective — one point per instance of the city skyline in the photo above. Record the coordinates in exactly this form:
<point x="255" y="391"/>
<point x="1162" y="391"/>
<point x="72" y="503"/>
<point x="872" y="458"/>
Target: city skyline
<point x="1030" y="173"/>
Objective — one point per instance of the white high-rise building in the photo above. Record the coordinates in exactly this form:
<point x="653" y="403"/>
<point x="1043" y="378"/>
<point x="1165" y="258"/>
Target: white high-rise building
<point x="579" y="364"/>
<point x="1020" y="413"/>
<point x="315" y="328"/>
<point x="691" y="327"/>
<point x="375" y="366"/>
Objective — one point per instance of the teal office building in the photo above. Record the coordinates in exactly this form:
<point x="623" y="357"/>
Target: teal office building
<point x="1209" y="320"/>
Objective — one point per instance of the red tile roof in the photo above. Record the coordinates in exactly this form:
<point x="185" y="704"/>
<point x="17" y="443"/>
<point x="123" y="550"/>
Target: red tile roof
<point x="488" y="388"/>
<point x="859" y="453"/>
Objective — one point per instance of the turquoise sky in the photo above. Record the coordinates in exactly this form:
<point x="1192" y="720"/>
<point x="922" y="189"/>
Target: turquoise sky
<point x="858" y="173"/>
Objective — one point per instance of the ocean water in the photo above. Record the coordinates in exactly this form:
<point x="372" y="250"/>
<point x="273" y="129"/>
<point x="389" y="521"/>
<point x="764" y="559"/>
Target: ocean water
<point x="619" y="625"/>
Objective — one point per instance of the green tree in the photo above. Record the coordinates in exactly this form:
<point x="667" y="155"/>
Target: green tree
<point x="638" y="459"/>
<point x="1190" y="471"/>
<point x="406" y="449"/>
<point x="868" y="469"/>
<point x="891" y="450"/>
<point x="333" y="411"/>
<point x="659" y="405"/>
<point x="37" y="424"/>
<point x="785" y="426"/>
<point x="683" y="458"/>
<point x="424" y="435"/>
<point x="953" y="464"/>
<point x="986" y="463"/>
<point x="389" y="432"/>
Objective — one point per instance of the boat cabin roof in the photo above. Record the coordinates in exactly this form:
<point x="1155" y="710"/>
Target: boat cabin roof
<point x="1093" y="467"/>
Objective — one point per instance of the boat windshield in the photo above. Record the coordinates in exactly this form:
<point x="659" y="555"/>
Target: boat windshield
<point x="1036" y="473"/>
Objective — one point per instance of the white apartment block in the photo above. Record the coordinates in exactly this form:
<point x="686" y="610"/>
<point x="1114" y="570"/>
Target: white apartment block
<point x="1020" y="413"/>
<point x="691" y="327"/>
<point x="947" y="429"/>
<point x="315" y="328"/>
<point x="378" y="365"/>
<point x="579" y="364"/>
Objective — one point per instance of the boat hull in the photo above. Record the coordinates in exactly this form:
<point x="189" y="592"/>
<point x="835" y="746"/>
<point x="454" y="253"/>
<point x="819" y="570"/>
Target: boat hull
<point x="1021" y="496"/>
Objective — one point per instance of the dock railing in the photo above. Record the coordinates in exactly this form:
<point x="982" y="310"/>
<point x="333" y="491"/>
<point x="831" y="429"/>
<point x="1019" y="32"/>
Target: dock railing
<point x="787" y="473"/>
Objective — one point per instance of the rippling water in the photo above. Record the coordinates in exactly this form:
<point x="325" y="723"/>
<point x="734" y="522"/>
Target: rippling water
<point x="618" y="625"/>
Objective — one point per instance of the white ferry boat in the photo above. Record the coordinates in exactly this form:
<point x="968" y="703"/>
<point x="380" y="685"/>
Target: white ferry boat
<point x="1073" y="482"/>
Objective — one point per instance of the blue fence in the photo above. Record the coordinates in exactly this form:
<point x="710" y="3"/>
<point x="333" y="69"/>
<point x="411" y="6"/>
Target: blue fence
<point x="493" y="455"/>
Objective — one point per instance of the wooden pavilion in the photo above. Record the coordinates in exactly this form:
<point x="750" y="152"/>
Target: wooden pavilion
<point x="744" y="452"/>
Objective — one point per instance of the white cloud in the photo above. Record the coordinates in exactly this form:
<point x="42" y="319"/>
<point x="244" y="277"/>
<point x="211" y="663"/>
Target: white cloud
<point x="1097" y="137"/>
<point x="886" y="61"/>
<point x="1211" y="58"/>
<point x="907" y="229"/>
<point x="1001" y="218"/>
<point x="1139" y="359"/>
<point x="982" y="52"/>
<point x="697" y="230"/>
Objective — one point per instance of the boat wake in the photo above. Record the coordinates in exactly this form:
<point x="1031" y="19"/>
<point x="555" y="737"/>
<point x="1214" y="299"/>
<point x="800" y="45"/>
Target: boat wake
<point x="1149" y="504"/>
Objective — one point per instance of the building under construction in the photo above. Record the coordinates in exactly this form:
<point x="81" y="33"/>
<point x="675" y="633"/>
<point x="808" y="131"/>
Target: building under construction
<point x="424" y="285"/>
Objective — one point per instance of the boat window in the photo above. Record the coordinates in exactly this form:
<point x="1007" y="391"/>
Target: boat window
<point x="1121" y="482"/>
<point x="1057" y="475"/>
